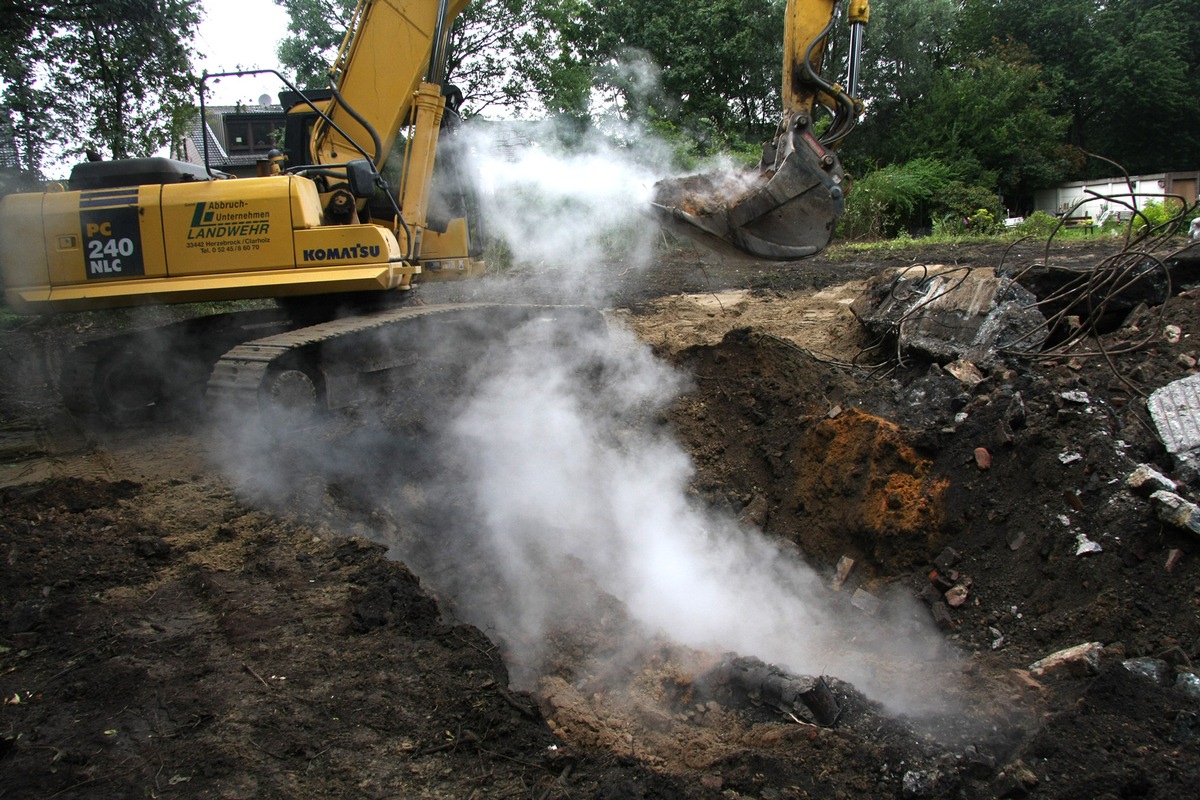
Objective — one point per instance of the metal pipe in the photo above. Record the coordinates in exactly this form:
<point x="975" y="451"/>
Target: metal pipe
<point x="856" y="43"/>
<point x="858" y="14"/>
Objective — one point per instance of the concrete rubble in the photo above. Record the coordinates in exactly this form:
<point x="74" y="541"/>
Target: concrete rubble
<point x="1176" y="511"/>
<point x="1085" y="546"/>
<point x="865" y="602"/>
<point x="1175" y="410"/>
<point x="952" y="314"/>
<point x="1161" y="672"/>
<point x="1147" y="478"/>
<point x="762" y="684"/>
<point x="842" y="572"/>
<point x="1079" y="661"/>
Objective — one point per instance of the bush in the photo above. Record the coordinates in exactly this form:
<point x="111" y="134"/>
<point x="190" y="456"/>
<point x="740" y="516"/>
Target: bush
<point x="977" y="206"/>
<point x="1167" y="217"/>
<point x="1039" y="225"/>
<point x="893" y="198"/>
<point x="917" y="196"/>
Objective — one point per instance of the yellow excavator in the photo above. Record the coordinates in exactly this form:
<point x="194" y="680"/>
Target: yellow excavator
<point x="321" y="224"/>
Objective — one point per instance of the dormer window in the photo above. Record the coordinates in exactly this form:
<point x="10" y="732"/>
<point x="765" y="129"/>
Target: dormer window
<point x="253" y="134"/>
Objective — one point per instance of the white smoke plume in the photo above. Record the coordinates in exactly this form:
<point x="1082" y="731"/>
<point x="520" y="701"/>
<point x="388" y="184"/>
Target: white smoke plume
<point x="551" y="483"/>
<point x="569" y="211"/>
<point x="578" y="490"/>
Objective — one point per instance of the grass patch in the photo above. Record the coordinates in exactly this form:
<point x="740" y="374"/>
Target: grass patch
<point x="848" y="251"/>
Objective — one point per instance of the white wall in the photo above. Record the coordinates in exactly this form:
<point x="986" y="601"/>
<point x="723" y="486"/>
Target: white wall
<point x="1116" y="196"/>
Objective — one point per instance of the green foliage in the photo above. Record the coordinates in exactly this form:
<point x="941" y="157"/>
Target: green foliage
<point x="697" y="148"/>
<point x="894" y="198"/>
<point x="1038" y="225"/>
<point x="502" y="53"/>
<point x="1165" y="217"/>
<point x="979" y="222"/>
<point x="112" y="76"/>
<point x="922" y="194"/>
<point x="710" y="66"/>
<point x="1125" y="73"/>
<point x="989" y="116"/>
<point x="906" y="45"/>
<point x="315" y="30"/>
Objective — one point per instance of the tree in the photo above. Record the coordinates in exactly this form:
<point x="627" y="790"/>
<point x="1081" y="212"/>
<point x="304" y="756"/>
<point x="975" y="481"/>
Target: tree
<point x="130" y="72"/>
<point x="718" y="63"/>
<point x="494" y="47"/>
<point x="907" y="43"/>
<point x="316" y="29"/>
<point x="1124" y="70"/>
<point x="992" y="118"/>
<point x="106" y="75"/>
<point x="1150" y="79"/>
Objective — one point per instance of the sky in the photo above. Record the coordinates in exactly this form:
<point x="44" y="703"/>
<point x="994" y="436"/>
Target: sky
<point x="240" y="33"/>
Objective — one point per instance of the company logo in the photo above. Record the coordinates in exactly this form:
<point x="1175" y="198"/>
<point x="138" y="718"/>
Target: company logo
<point x="226" y="219"/>
<point x="357" y="251"/>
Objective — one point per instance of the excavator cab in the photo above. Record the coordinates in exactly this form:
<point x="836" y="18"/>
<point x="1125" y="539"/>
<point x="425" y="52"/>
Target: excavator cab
<point x="788" y="208"/>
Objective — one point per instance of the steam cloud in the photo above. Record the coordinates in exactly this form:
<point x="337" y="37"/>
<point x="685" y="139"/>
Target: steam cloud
<point x="550" y="484"/>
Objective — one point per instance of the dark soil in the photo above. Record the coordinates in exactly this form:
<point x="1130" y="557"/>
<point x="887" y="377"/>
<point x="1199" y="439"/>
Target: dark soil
<point x="163" y="635"/>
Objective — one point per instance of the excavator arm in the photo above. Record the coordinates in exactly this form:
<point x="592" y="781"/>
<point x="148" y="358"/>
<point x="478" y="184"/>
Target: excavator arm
<point x="387" y="79"/>
<point x="788" y="208"/>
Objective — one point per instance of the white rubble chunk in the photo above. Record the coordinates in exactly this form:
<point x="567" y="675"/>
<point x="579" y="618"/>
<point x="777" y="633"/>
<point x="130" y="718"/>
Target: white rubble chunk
<point x="1175" y="409"/>
<point x="1175" y="510"/>
<point x="1077" y="662"/>
<point x="1146" y="476"/>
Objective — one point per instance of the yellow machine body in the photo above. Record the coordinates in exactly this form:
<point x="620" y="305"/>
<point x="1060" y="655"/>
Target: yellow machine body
<point x="145" y="239"/>
<point x="186" y="242"/>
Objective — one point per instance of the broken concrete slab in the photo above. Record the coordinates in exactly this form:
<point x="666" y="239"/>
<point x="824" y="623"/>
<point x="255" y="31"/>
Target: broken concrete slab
<point x="1175" y="409"/>
<point x="952" y="313"/>
<point x="1077" y="662"/>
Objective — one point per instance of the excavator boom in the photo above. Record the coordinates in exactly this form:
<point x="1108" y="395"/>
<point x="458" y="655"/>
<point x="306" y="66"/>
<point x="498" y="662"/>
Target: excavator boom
<point x="789" y="207"/>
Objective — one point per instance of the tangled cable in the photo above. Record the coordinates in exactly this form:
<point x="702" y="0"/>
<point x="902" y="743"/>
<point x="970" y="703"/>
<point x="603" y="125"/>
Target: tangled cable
<point x="1080" y="309"/>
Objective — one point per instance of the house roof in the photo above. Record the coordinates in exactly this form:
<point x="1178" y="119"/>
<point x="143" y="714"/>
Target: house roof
<point x="198" y="131"/>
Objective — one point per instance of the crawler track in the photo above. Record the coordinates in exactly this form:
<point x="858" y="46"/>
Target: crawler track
<point x="158" y="372"/>
<point x="330" y="365"/>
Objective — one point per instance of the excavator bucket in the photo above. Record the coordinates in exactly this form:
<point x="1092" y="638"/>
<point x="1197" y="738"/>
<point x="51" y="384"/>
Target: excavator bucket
<point x="786" y="211"/>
